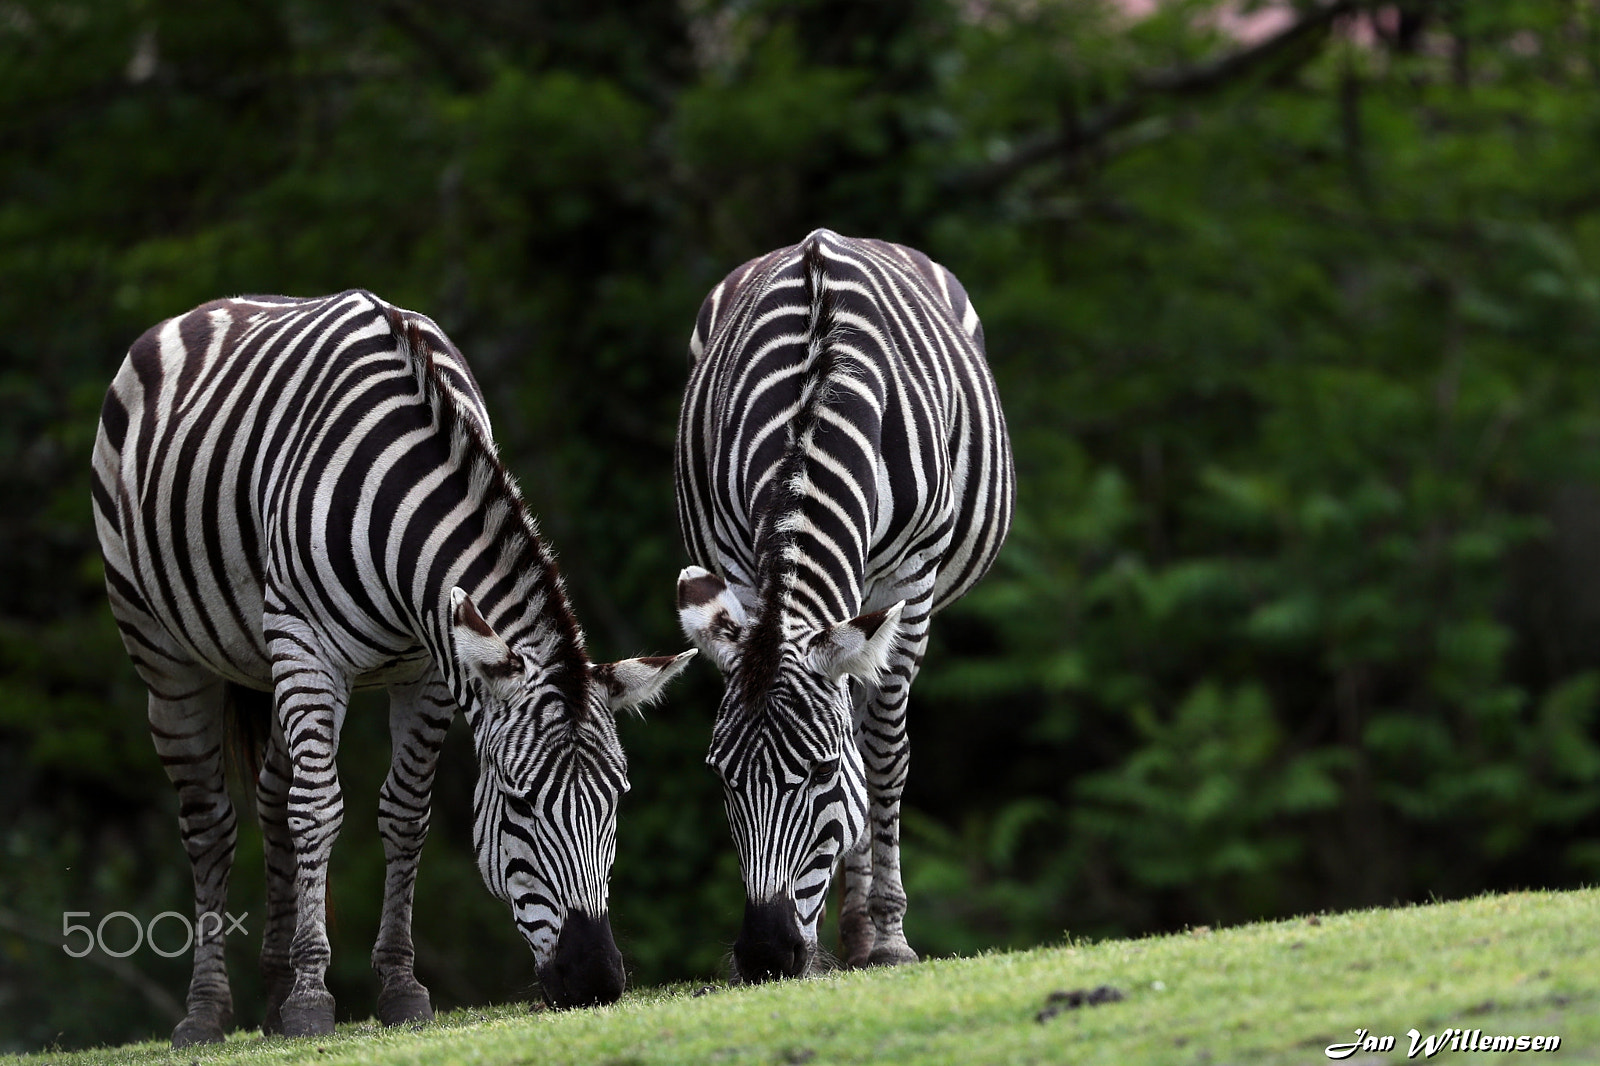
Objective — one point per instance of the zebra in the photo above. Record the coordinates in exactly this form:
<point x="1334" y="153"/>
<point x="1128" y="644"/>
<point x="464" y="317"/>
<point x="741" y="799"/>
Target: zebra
<point x="303" y="496"/>
<point x="843" y="472"/>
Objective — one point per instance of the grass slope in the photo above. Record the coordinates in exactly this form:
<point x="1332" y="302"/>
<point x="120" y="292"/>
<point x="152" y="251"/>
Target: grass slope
<point x="1279" y="992"/>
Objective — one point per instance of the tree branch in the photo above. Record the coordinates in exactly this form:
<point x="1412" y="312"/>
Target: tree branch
<point x="1193" y="81"/>
<point x="463" y="74"/>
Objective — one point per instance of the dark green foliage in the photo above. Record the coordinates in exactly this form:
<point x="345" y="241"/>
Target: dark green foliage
<point x="1299" y="609"/>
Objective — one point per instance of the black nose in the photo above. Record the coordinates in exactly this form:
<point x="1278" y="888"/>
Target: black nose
<point x="586" y="968"/>
<point x="770" y="944"/>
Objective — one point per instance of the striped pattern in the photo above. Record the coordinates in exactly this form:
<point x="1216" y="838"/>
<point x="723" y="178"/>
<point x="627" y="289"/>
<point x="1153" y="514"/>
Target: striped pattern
<point x="302" y="497"/>
<point x="843" y="472"/>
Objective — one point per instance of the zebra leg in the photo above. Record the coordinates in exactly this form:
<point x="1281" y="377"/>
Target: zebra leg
<point x="272" y="807"/>
<point x="856" y="934"/>
<point x="185" y="715"/>
<point x="311" y="703"/>
<point x="886" y="753"/>
<point x="419" y="715"/>
<point x="186" y="722"/>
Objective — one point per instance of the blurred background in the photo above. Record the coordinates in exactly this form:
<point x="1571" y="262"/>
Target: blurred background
<point x="1294" y="311"/>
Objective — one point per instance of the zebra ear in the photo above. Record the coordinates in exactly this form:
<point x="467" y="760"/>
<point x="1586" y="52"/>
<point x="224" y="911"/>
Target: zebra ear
<point x="479" y="648"/>
<point x="631" y="683"/>
<point x="859" y="647"/>
<point x="711" y="616"/>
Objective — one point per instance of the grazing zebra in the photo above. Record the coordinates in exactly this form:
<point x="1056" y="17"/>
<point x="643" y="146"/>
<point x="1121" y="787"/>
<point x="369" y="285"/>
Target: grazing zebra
<point x="303" y="496"/>
<point x="843" y="472"/>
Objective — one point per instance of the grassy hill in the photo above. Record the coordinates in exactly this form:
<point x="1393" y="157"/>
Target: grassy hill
<point x="1279" y="992"/>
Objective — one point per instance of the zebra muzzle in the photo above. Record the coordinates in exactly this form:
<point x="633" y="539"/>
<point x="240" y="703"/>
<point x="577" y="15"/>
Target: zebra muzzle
<point x="585" y="970"/>
<point x="770" y="943"/>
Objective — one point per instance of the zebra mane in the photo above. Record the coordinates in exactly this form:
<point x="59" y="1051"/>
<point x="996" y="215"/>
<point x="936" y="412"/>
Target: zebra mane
<point x="508" y="524"/>
<point x="777" y="550"/>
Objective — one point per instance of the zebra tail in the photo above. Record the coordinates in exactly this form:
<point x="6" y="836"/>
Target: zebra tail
<point x="246" y="731"/>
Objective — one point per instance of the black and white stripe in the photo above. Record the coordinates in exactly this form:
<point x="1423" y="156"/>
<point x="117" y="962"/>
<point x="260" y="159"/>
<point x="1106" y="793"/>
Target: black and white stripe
<point x="303" y="497"/>
<point x="843" y="472"/>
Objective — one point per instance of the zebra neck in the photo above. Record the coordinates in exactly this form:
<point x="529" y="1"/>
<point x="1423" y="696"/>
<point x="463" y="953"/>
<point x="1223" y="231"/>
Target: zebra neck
<point x="798" y="594"/>
<point x="504" y="565"/>
<point x="486" y="542"/>
<point x="811" y="558"/>
<point x="528" y="609"/>
<point x="811" y="552"/>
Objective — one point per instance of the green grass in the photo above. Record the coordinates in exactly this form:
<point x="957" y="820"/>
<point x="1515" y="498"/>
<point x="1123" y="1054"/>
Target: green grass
<point x="1279" y="992"/>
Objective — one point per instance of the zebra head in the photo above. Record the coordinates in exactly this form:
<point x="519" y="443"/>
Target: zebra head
<point x="793" y="780"/>
<point x="551" y="772"/>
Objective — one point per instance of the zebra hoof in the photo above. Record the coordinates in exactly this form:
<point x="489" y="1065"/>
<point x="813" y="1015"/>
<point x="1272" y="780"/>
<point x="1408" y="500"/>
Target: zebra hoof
<point x="199" y="1029"/>
<point x="278" y="986"/>
<point x="404" y="1003"/>
<point x="892" y="955"/>
<point x="856" y="939"/>
<point x="308" y="1014"/>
